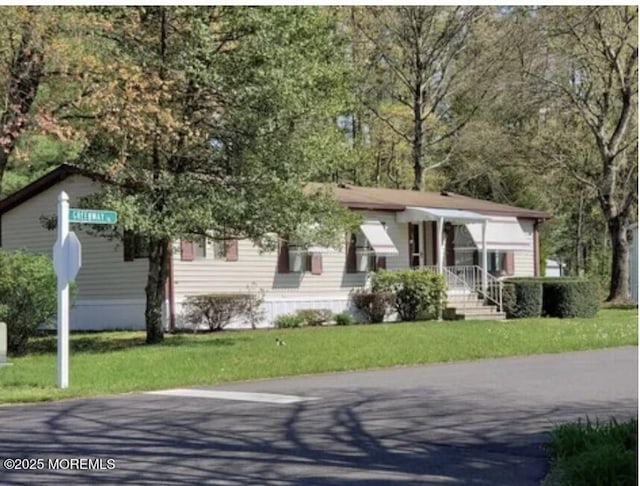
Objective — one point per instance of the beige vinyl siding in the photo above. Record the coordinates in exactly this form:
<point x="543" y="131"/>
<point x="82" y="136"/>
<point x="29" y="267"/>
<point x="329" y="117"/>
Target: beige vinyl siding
<point x="259" y="270"/>
<point x="523" y="260"/>
<point x="104" y="274"/>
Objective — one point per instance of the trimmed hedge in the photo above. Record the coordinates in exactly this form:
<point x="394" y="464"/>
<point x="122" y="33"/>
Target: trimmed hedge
<point x="522" y="298"/>
<point x="550" y="296"/>
<point x="509" y="299"/>
<point x="570" y="298"/>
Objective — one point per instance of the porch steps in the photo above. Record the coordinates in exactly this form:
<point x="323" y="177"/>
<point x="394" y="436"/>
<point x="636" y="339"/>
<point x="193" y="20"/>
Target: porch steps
<point x="467" y="306"/>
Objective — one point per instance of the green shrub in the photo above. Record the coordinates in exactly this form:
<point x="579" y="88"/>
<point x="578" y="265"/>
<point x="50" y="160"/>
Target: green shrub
<point x="374" y="305"/>
<point x="419" y="294"/>
<point x="344" y="319"/>
<point x="596" y="454"/>
<point x="217" y="310"/>
<point x="522" y="298"/>
<point x="570" y="297"/>
<point x="287" y="321"/>
<point x="509" y="299"/>
<point x="27" y="296"/>
<point x="550" y="296"/>
<point x="314" y="317"/>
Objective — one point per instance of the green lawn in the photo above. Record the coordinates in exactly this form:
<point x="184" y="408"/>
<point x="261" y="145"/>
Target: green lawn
<point x="591" y="453"/>
<point x="116" y="362"/>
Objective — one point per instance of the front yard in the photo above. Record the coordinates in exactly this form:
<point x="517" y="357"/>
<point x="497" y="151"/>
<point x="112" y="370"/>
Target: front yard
<point x="117" y="362"/>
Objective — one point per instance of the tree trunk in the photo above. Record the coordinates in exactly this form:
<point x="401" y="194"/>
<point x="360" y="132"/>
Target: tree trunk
<point x="159" y="253"/>
<point x="418" y="103"/>
<point x="159" y="248"/>
<point x="416" y="149"/>
<point x="619" y="287"/>
<point x="579" y="255"/>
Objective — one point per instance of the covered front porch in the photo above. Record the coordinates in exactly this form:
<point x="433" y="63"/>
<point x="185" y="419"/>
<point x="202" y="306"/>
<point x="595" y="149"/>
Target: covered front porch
<point x="471" y="250"/>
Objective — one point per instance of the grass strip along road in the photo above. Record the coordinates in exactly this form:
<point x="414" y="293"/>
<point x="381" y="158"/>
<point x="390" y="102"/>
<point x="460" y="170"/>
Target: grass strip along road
<point x="118" y="362"/>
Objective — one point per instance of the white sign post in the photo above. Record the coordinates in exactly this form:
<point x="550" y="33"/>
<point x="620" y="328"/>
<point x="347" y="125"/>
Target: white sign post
<point x="67" y="259"/>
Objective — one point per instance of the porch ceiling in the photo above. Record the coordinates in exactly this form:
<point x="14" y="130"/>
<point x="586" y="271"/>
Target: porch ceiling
<point x="416" y="214"/>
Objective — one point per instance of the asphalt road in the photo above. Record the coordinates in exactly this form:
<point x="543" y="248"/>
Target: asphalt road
<point x="480" y="423"/>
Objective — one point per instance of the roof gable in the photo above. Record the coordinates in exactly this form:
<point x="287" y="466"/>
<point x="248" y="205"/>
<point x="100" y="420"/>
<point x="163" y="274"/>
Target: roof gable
<point x="48" y="180"/>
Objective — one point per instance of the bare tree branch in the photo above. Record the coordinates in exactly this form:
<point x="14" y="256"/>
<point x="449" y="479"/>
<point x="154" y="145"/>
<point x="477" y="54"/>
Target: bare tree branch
<point x="388" y="122"/>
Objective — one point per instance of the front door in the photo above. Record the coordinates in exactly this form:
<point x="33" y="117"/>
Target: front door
<point x="450" y="254"/>
<point x="416" y="237"/>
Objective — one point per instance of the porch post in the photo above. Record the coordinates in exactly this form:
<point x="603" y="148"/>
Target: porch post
<point x="484" y="257"/>
<point x="439" y="244"/>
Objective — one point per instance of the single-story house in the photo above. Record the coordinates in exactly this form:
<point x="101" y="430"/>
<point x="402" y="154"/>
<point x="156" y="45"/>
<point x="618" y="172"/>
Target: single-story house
<point x="457" y="235"/>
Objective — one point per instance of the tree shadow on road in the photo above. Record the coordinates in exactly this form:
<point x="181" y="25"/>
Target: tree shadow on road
<point x="365" y="438"/>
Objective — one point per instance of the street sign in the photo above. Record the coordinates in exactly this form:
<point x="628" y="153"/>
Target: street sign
<point x="67" y="257"/>
<point x="92" y="216"/>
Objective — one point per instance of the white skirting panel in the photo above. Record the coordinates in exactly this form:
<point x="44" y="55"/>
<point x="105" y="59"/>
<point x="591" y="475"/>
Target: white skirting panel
<point x="95" y="315"/>
<point x="276" y="306"/>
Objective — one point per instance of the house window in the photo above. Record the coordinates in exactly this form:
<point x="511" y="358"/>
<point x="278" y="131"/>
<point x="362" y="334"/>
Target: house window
<point x="466" y="258"/>
<point x="219" y="249"/>
<point x="499" y="263"/>
<point x="135" y="246"/>
<point x="202" y="249"/>
<point x="299" y="258"/>
<point x="496" y="263"/>
<point x="366" y="251"/>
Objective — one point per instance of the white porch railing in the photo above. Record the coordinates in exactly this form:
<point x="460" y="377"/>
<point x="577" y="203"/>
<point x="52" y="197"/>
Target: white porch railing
<point x="469" y="278"/>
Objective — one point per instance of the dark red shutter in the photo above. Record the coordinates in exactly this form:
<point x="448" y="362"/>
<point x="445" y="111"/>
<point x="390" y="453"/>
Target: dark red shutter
<point x="352" y="264"/>
<point x="128" y="245"/>
<point x="316" y="264"/>
<point x="381" y="263"/>
<point x="283" y="256"/>
<point x="509" y="263"/>
<point x="187" y="252"/>
<point x="232" y="250"/>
